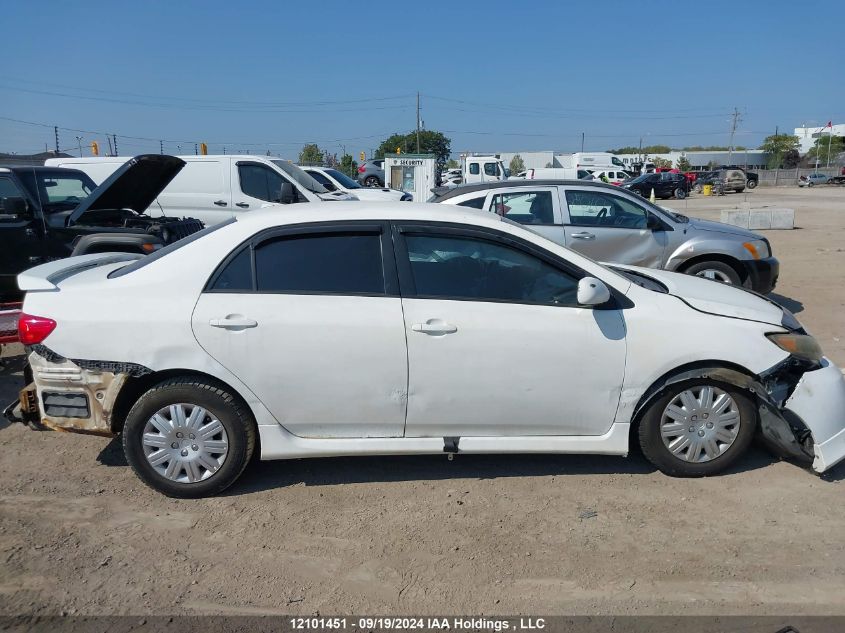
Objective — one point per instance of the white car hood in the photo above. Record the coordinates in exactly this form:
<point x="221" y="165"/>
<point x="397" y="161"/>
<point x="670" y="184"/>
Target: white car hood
<point x="714" y="297"/>
<point x="336" y="195"/>
<point x="377" y="195"/>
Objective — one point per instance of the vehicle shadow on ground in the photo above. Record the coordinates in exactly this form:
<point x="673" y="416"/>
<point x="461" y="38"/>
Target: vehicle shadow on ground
<point x="793" y="305"/>
<point x="11" y="382"/>
<point x="332" y="471"/>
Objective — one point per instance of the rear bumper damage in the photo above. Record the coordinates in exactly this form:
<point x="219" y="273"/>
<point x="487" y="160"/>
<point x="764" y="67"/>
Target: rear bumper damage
<point x="70" y="395"/>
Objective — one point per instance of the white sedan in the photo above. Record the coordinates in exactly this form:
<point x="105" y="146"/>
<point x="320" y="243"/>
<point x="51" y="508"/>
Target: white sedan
<point x="335" y="180"/>
<point x="411" y="329"/>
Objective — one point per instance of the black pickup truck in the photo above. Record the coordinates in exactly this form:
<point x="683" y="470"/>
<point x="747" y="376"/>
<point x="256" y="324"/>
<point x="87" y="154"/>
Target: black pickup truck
<point x="47" y="213"/>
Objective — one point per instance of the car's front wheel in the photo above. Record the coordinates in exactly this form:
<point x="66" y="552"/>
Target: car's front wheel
<point x="188" y="437"/>
<point x="715" y="270"/>
<point x="697" y="428"/>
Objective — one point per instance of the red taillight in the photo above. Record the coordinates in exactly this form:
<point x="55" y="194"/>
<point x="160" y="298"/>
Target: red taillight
<point x="362" y="169"/>
<point x="34" y="329"/>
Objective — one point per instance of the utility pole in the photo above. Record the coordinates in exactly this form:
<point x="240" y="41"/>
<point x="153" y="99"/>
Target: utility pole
<point x="418" y="122"/>
<point x="829" y="137"/>
<point x="56" y="132"/>
<point x="735" y="121"/>
<point x="111" y="151"/>
<point x="196" y="149"/>
<point x="582" y="142"/>
<point x="641" y="149"/>
<point x="79" y="143"/>
<point x="114" y="136"/>
<point x="161" y="147"/>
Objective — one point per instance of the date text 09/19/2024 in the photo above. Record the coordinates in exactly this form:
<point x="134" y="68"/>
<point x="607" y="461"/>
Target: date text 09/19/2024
<point x="417" y="623"/>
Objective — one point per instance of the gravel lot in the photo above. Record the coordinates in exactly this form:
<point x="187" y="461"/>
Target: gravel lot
<point x="80" y="534"/>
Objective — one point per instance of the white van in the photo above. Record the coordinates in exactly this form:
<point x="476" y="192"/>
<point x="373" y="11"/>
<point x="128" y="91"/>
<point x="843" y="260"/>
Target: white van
<point x="483" y="168"/>
<point x="215" y="188"/>
<point x="556" y="173"/>
<point x="589" y="160"/>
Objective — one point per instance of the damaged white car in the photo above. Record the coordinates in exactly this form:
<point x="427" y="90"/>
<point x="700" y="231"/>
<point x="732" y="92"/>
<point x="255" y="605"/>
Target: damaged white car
<point x="382" y="329"/>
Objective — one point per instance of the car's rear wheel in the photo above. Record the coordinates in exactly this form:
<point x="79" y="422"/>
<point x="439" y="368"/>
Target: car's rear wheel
<point x="680" y="194"/>
<point x="372" y="181"/>
<point x="717" y="271"/>
<point x="188" y="437"/>
<point x="752" y="184"/>
<point x="811" y="184"/>
<point x="697" y="428"/>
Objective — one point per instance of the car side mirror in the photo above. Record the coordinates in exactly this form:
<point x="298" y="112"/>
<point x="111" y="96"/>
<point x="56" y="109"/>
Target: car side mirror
<point x="16" y="209"/>
<point x="286" y="194"/>
<point x="592" y="292"/>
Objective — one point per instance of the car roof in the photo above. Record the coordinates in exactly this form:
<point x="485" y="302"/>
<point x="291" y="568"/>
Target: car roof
<point x="518" y="182"/>
<point x="338" y="210"/>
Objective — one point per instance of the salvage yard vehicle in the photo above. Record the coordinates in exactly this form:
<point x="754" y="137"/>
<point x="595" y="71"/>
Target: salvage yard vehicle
<point x="609" y="223"/>
<point x="810" y="180"/>
<point x="377" y="329"/>
<point x="47" y="213"/>
<point x="334" y="180"/>
<point x="664" y="185"/>
<point x="216" y="188"/>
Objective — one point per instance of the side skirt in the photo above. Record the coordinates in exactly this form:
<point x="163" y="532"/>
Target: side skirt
<point x="277" y="443"/>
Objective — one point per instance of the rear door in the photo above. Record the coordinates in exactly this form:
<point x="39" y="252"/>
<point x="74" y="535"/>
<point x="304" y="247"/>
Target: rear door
<point x="21" y="236"/>
<point x="310" y="319"/>
<point x="611" y="227"/>
<point x="536" y="207"/>
<point x="201" y="190"/>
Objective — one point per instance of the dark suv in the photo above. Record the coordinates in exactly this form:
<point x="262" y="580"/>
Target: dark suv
<point x="47" y="213"/>
<point x="664" y="184"/>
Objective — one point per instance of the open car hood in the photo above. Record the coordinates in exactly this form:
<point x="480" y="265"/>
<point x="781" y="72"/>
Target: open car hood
<point x="135" y="185"/>
<point x="714" y="297"/>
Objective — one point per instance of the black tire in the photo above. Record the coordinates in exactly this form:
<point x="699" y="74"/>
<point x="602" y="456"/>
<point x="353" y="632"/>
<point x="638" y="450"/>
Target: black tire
<point x="740" y="190"/>
<point x="372" y="181"/>
<point x="235" y="418"/>
<point x="680" y="194"/>
<point x="658" y="453"/>
<point x="726" y="269"/>
<point x="752" y="184"/>
<point x="697" y="188"/>
<point x="811" y="184"/>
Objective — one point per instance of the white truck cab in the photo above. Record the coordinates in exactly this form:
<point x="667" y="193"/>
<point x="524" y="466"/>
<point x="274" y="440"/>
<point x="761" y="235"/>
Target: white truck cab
<point x="483" y="168"/>
<point x="216" y="188"/>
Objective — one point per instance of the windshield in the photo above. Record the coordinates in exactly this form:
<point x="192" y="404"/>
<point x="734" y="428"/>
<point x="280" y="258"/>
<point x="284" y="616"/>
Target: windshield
<point x="641" y="279"/>
<point x="343" y="179"/>
<point x="616" y="161"/>
<point x="300" y="176"/>
<point x="57" y="189"/>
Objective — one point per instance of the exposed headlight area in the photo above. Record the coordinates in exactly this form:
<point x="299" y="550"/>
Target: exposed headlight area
<point x="801" y="346"/>
<point x="759" y="249"/>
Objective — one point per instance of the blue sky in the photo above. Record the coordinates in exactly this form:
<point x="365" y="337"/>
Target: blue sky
<point x="503" y="76"/>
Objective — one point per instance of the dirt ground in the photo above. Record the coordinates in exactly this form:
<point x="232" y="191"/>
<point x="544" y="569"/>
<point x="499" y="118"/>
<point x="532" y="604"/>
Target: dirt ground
<point x="79" y="534"/>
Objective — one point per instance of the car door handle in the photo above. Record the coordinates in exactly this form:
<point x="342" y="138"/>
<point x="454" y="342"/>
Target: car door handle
<point x="242" y="205"/>
<point x="434" y="326"/>
<point x="233" y="322"/>
<point x="583" y="236"/>
<point x="220" y="203"/>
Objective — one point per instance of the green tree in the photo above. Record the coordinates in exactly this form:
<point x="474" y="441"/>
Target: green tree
<point x="683" y="164"/>
<point x="777" y="146"/>
<point x="348" y="166"/>
<point x="648" y="149"/>
<point x="452" y="164"/>
<point x="517" y="165"/>
<point x="311" y="155"/>
<point x="431" y="142"/>
<point x="662" y="162"/>
<point x="820" y="149"/>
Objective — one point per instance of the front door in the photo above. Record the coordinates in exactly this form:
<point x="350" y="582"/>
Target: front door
<point x="610" y="228"/>
<point x="21" y="236"/>
<point x="497" y="345"/>
<point x="311" y="321"/>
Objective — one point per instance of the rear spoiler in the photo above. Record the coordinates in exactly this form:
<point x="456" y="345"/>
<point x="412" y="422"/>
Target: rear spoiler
<point x="44" y="278"/>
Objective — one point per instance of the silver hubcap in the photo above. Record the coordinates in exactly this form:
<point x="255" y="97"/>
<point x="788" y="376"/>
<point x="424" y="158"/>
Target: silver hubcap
<point x="716" y="275"/>
<point x="185" y="443"/>
<point x="699" y="424"/>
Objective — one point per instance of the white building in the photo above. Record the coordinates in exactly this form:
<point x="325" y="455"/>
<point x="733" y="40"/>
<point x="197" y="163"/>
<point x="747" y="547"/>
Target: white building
<point x="807" y="135"/>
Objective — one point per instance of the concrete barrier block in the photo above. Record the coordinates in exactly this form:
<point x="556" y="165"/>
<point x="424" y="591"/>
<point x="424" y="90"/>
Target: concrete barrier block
<point x="735" y="217"/>
<point x="760" y="219"/>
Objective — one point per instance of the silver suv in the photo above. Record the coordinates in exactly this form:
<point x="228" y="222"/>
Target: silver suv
<point x="371" y="173"/>
<point x="609" y="224"/>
